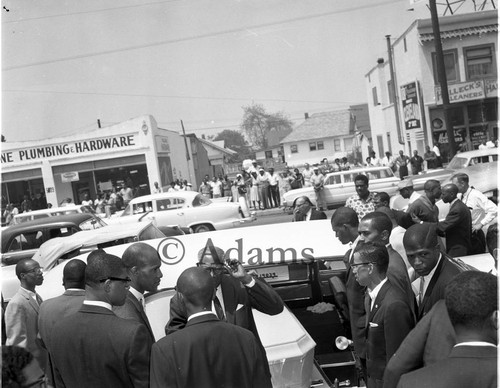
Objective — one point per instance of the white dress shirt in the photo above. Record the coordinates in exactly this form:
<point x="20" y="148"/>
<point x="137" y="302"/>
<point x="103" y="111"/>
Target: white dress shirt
<point x="373" y="293"/>
<point x="482" y="209"/>
<point x="98" y="303"/>
<point x="427" y="279"/>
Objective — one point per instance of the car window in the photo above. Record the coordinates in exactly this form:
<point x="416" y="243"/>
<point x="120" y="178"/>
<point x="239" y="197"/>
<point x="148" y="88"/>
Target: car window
<point x="372" y="175"/>
<point x="27" y="240"/>
<point x="333" y="180"/>
<point x="127" y="211"/>
<point x="457" y="163"/>
<point x="142" y="207"/>
<point x="164" y="204"/>
<point x="179" y="202"/>
<point x="200" y="200"/>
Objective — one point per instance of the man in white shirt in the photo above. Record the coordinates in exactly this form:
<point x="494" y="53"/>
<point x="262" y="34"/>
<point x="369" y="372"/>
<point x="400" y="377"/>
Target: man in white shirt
<point x="216" y="187"/>
<point x="307" y="174"/>
<point x="483" y="211"/>
<point x="274" y="192"/>
<point x="405" y="188"/>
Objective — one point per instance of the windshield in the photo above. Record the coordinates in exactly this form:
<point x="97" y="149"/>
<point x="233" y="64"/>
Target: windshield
<point x="457" y="163"/>
<point x="92" y="223"/>
<point x="200" y="200"/>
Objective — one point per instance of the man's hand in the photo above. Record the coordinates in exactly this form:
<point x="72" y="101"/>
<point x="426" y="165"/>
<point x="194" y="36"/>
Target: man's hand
<point x="415" y="219"/>
<point x="477" y="227"/>
<point x="236" y="270"/>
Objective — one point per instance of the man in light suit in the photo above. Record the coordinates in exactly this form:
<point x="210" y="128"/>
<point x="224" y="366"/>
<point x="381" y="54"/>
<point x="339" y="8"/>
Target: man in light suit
<point x="435" y="269"/>
<point x="21" y="315"/>
<point x="303" y="210"/>
<point x="53" y="310"/>
<point x="472" y="304"/>
<point x="389" y="317"/>
<point x="457" y="227"/>
<point x="207" y="352"/>
<point x="143" y="267"/>
<point x="94" y="347"/>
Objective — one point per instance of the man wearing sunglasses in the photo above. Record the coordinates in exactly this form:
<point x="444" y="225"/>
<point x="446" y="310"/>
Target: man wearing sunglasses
<point x="21" y="315"/>
<point x="95" y="348"/>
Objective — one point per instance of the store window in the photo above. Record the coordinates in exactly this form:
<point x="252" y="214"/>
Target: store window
<point x="450" y="66"/>
<point x="294" y="149"/>
<point x="479" y="62"/>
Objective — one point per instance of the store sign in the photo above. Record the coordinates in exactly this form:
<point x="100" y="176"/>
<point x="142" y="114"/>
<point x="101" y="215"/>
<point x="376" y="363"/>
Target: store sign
<point x="491" y="87"/>
<point x="442" y="137"/>
<point x="72" y="176"/>
<point x="67" y="149"/>
<point x="411" y="107"/>
<point x="465" y="91"/>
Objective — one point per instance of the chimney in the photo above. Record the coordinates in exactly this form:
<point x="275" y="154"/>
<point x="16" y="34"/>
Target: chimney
<point x="306" y="115"/>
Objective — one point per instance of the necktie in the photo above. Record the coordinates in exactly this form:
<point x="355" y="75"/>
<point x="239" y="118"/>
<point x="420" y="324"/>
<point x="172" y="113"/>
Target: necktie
<point x="368" y="303"/>
<point x="421" y="291"/>
<point x="39" y="299"/>
<point x="218" y="308"/>
<point x="143" y="303"/>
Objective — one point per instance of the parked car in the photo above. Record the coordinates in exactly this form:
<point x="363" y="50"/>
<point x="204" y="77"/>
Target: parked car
<point x="340" y="185"/>
<point x="53" y="211"/>
<point x="460" y="161"/>
<point x="21" y="241"/>
<point x="184" y="208"/>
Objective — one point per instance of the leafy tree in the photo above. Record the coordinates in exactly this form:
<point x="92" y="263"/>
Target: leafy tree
<point x="257" y="124"/>
<point x="235" y="141"/>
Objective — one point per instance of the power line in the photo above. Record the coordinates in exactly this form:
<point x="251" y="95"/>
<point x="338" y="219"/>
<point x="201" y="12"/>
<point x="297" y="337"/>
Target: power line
<point x="86" y="12"/>
<point x="199" y="36"/>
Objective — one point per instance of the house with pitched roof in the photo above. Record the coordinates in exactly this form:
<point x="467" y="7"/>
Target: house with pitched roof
<point x="218" y="155"/>
<point x="328" y="135"/>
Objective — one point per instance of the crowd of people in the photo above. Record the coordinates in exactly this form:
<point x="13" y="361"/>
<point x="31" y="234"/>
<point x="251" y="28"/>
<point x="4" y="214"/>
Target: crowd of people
<point x="417" y="313"/>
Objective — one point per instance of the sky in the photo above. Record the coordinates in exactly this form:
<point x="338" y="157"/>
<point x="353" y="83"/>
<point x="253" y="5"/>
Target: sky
<point x="67" y="63"/>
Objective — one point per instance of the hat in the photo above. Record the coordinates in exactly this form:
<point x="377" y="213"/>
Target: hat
<point x="239" y="175"/>
<point x="404" y="184"/>
<point x="315" y="168"/>
<point x="261" y="169"/>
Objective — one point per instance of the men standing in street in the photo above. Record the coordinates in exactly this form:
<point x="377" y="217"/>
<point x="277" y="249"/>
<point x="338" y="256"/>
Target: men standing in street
<point x="303" y="210"/>
<point x="483" y="211"/>
<point x="143" y="267"/>
<point x="435" y="270"/>
<point x="317" y="181"/>
<point x="430" y="158"/>
<point x="307" y="173"/>
<point x="457" y="225"/>
<point x="95" y="348"/>
<point x="208" y="352"/>
<point x="472" y="304"/>
<point x="437" y="151"/>
<point x="362" y="201"/>
<point x="389" y="318"/>
<point x="21" y="314"/>
<point x="263" y="179"/>
<point x="402" y="162"/>
<point x="274" y="192"/>
<point x="416" y="163"/>
<point x="424" y="209"/>
<point x="157" y="189"/>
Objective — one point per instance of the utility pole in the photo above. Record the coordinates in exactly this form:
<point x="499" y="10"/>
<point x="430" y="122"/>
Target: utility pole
<point x="443" y="82"/>
<point x="394" y="90"/>
<point x="188" y="158"/>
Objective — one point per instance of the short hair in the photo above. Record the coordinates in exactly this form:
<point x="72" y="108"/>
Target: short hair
<point x="96" y="253"/>
<point x="471" y="298"/>
<point x="21" y="266"/>
<point x="377" y="254"/>
<point x="453" y="189"/>
<point x="425" y="235"/>
<point x="135" y="252"/>
<point x="305" y="198"/>
<point x="361" y="177"/>
<point x="74" y="272"/>
<point x="102" y="267"/>
<point x="14" y="360"/>
<point x="345" y="216"/>
<point x="196" y="285"/>
<point x="431" y="184"/>
<point x="383" y="196"/>
<point x="380" y="221"/>
<point x="462" y="177"/>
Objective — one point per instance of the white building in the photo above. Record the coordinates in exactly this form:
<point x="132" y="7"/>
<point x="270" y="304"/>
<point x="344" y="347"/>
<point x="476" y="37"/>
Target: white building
<point x="135" y="152"/>
<point x="470" y="49"/>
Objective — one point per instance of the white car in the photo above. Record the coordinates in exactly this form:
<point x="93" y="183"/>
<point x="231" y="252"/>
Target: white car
<point x="183" y="208"/>
<point x="340" y="185"/>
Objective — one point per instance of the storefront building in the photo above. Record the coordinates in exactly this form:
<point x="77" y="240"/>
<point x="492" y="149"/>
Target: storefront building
<point x="135" y="153"/>
<point x="470" y="50"/>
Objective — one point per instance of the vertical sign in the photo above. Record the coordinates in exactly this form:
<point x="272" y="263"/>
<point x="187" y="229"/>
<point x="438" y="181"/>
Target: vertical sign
<point x="410" y="105"/>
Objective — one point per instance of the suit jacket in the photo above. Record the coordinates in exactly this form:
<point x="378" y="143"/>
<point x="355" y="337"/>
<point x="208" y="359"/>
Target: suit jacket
<point x="467" y="366"/>
<point x="209" y="353"/>
<point x="54" y="309"/>
<point x="457" y="227"/>
<point x="95" y="348"/>
<point x="21" y="324"/>
<point x="132" y="309"/>
<point x="397" y="273"/>
<point x="390" y="320"/>
<point x="445" y="271"/>
<point x="317" y="215"/>
<point x="424" y="209"/>
<point x="430" y="341"/>
<point x="261" y="296"/>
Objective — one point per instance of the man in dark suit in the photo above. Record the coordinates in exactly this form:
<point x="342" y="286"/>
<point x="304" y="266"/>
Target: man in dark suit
<point x="457" y="227"/>
<point x="54" y="309"/>
<point x="21" y="314"/>
<point x="95" y="348"/>
<point x="303" y="210"/>
<point x="345" y="224"/>
<point x="236" y="293"/>
<point x="434" y="269"/>
<point x="207" y="352"/>
<point x="472" y="304"/>
<point x="389" y="318"/>
<point x="424" y="208"/>
<point x="143" y="267"/>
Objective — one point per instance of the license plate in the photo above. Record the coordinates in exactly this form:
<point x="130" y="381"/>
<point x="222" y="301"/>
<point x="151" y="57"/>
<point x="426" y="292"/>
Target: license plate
<point x="274" y="274"/>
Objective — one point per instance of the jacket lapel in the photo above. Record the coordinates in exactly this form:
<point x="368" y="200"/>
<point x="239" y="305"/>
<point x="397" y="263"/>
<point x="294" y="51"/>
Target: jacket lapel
<point x="138" y="306"/>
<point x="30" y="300"/>
<point x="431" y="285"/>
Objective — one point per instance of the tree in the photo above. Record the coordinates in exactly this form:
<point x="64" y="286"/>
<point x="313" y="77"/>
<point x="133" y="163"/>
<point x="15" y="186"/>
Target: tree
<point x="3" y="139"/>
<point x="257" y="124"/>
<point x="235" y="141"/>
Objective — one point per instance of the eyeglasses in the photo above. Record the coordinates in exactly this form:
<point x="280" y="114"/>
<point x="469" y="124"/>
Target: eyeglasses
<point x="124" y="280"/>
<point x="360" y="264"/>
<point x="214" y="269"/>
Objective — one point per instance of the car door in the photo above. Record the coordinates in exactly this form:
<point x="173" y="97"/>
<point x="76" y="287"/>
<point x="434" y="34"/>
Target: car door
<point x="23" y="246"/>
<point x="333" y="187"/>
<point x="169" y="211"/>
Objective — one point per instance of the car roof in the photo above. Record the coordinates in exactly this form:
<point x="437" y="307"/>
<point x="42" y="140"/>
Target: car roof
<point x="66" y="219"/>
<point x="359" y="170"/>
<point x="475" y="153"/>
<point x="53" y="249"/>
<point x="174" y="194"/>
